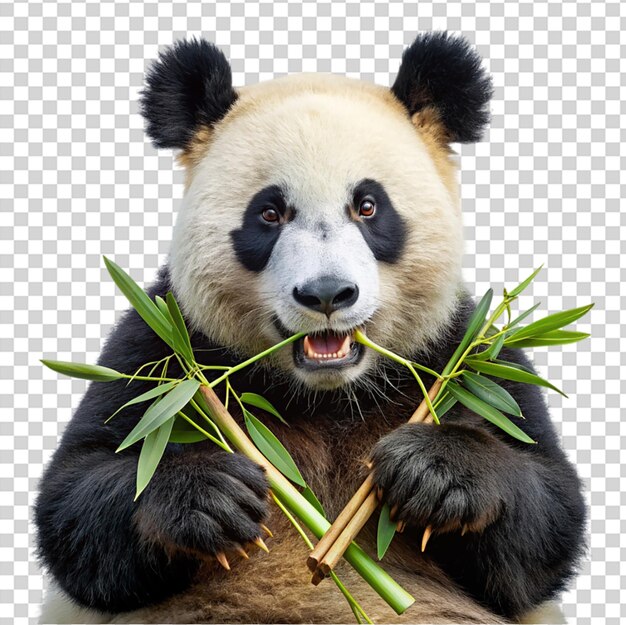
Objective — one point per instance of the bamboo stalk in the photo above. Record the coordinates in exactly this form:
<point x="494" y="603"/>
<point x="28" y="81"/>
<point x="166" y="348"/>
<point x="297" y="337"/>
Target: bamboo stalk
<point x="358" y="510"/>
<point x="380" y="581"/>
<point x="340" y="523"/>
<point x="336" y="550"/>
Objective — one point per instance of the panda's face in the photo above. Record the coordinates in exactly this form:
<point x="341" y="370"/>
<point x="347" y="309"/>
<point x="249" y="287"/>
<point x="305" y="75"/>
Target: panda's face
<point x="317" y="206"/>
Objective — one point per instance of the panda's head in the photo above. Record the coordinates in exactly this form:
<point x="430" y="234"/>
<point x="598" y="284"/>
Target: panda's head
<point x="316" y="203"/>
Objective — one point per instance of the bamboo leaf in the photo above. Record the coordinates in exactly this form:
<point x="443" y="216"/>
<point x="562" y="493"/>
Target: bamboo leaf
<point x="491" y="392"/>
<point x="506" y="363"/>
<point x="179" y="324"/>
<point x="141" y="302"/>
<point x="180" y="344"/>
<point x="151" y="394"/>
<point x="446" y="404"/>
<point x="474" y="325"/>
<point x="520" y="318"/>
<point x="386" y="532"/>
<point x="160" y="412"/>
<point x="488" y="412"/>
<point x="520" y="287"/>
<point x="96" y="373"/>
<point x="151" y="454"/>
<point x="555" y="337"/>
<point x="549" y="323"/>
<point x="492" y="351"/>
<point x="183" y="432"/>
<point x="162" y="306"/>
<point x="309" y="495"/>
<point x="510" y="371"/>
<point x="273" y="449"/>
<point x="252" y="399"/>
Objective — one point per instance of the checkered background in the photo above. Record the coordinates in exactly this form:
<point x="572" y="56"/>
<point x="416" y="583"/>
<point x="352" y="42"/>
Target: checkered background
<point x="79" y="180"/>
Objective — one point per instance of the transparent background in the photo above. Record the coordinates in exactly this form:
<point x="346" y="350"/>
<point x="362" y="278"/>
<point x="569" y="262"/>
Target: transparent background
<point x="78" y="180"/>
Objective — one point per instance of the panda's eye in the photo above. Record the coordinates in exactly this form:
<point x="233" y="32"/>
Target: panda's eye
<point x="367" y="208"/>
<point x="270" y="215"/>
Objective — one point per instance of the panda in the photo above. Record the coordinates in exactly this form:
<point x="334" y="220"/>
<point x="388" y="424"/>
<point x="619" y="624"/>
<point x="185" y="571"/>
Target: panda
<point x="320" y="204"/>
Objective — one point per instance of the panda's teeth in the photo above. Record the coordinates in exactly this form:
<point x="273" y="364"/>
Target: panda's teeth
<point x="341" y="353"/>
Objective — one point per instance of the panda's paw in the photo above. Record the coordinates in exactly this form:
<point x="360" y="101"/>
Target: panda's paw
<point x="209" y="507"/>
<point x="446" y="477"/>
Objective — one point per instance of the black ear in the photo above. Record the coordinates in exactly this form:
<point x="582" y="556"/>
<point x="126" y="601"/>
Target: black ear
<point x="444" y="72"/>
<point x="189" y="85"/>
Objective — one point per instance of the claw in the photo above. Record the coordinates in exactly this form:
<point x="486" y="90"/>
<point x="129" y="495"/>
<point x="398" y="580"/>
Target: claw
<point x="464" y="530"/>
<point x="427" y="532"/>
<point x="260" y="544"/>
<point x="242" y="552"/>
<point x="379" y="493"/>
<point x="393" y="512"/>
<point x="267" y="530"/>
<point x="400" y="527"/>
<point x="221" y="558"/>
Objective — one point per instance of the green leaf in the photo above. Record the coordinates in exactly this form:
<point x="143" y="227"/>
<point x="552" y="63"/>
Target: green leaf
<point x="84" y="372"/>
<point x="492" y="351"/>
<point x="549" y="323"/>
<point x="252" y="399"/>
<point x="510" y="371"/>
<point x="491" y="330"/>
<point x="147" y="309"/>
<point x="506" y="363"/>
<point x="555" y="337"/>
<point x="474" y="325"/>
<point x="521" y="318"/>
<point x="151" y="454"/>
<point x="151" y="394"/>
<point x="386" y="532"/>
<point x="162" y="306"/>
<point x="446" y="404"/>
<point x="490" y="413"/>
<point x="183" y="432"/>
<point x="180" y="344"/>
<point x="309" y="495"/>
<point x="491" y="392"/>
<point x="179" y="324"/>
<point x="273" y="449"/>
<point x="160" y="412"/>
<point x="520" y="287"/>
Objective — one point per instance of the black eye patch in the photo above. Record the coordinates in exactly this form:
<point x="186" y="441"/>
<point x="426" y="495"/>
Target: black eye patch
<point x="385" y="231"/>
<point x="255" y="239"/>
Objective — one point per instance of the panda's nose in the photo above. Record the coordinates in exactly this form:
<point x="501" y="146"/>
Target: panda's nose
<point x="326" y="294"/>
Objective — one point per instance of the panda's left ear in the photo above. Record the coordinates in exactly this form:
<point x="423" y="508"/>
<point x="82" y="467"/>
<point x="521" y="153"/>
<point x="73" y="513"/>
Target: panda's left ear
<point x="441" y="82"/>
<point x="190" y="85"/>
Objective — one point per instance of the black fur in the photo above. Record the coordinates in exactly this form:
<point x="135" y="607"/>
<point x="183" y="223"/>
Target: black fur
<point x="385" y="232"/>
<point x="188" y="86"/>
<point x="444" y="72"/>
<point x="254" y="241"/>
<point x="106" y="551"/>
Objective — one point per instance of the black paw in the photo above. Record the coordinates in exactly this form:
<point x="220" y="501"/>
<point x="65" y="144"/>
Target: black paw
<point x="448" y="477"/>
<point x="206" y="505"/>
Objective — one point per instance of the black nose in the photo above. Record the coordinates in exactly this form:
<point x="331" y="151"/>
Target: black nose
<point x="327" y="294"/>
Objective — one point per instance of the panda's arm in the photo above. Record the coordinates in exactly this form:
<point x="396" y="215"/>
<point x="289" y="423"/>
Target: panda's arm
<point x="109" y="552"/>
<point x="521" y="504"/>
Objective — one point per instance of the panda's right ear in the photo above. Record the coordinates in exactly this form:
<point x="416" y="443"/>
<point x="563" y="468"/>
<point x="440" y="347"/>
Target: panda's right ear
<point x="189" y="86"/>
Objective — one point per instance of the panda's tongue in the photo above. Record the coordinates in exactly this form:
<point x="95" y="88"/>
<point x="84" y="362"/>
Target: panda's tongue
<point x="327" y="345"/>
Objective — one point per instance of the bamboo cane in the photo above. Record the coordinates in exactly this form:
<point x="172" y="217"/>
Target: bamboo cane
<point x="375" y="576"/>
<point x="359" y="509"/>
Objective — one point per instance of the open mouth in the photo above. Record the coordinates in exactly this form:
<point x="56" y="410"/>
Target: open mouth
<point x="324" y="350"/>
<point x="327" y="350"/>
